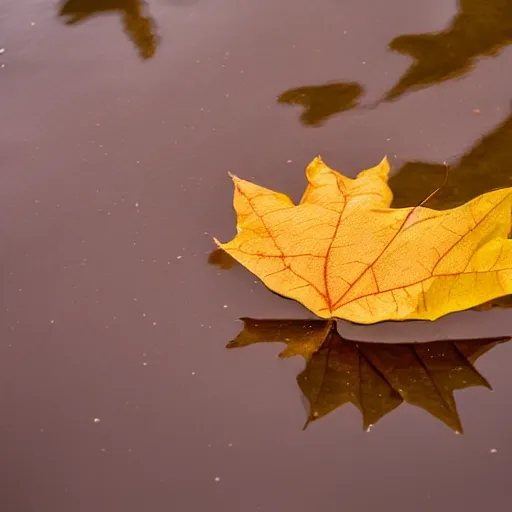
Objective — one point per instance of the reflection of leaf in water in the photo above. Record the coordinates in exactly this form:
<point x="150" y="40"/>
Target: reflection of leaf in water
<point x="481" y="28"/>
<point x="139" y="27"/>
<point x="221" y="259"/>
<point x="323" y="101"/>
<point x="375" y="377"/>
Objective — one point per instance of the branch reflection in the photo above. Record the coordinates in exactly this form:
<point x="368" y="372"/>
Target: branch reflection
<point x="321" y="102"/>
<point x="480" y="29"/>
<point x="139" y="26"/>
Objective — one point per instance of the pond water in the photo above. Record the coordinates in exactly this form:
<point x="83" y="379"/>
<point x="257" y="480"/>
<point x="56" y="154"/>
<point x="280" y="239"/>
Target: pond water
<point x="119" y="124"/>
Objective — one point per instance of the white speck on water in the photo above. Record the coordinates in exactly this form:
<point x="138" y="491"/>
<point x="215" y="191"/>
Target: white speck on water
<point x="225" y="306"/>
<point x="96" y="420"/>
<point x="52" y="321"/>
<point x="32" y="23"/>
<point x="2" y="50"/>
<point x="193" y="373"/>
<point x="143" y="314"/>
<point x="493" y="450"/>
<point x="230" y="445"/>
<point x="154" y="323"/>
<point x="217" y="478"/>
<point x="144" y="363"/>
<point x="288" y="161"/>
<point x="179" y="257"/>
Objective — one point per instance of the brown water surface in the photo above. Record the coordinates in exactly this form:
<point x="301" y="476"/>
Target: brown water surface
<point x="119" y="124"/>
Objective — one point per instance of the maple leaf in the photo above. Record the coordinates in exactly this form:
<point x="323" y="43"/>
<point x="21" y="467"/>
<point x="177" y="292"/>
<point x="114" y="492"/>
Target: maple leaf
<point x="139" y="27"/>
<point x="344" y="253"/>
<point x="374" y="377"/>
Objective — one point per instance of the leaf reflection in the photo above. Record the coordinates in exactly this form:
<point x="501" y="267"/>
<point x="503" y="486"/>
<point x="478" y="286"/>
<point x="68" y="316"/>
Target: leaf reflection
<point x="137" y="24"/>
<point x="375" y="377"/>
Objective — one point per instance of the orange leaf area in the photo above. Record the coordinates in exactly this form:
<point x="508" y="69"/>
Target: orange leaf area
<point x="344" y="253"/>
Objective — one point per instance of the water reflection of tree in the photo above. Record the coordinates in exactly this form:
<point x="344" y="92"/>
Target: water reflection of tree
<point x="485" y="167"/>
<point x="137" y="24"/>
<point x="375" y="377"/>
<point x="322" y="101"/>
<point x="481" y="28"/>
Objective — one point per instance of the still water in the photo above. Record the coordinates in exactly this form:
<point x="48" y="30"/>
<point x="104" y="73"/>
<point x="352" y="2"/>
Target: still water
<point x="120" y="121"/>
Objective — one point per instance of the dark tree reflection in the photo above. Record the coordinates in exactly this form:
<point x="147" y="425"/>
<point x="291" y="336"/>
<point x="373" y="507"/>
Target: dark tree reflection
<point x="139" y="26"/>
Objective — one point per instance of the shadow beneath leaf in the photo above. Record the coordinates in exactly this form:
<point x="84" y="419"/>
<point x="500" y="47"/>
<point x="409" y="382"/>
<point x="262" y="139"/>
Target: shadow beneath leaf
<point x="321" y="102"/>
<point x="138" y="25"/>
<point x="221" y="259"/>
<point x="481" y="28"/>
<point x="374" y="377"/>
<point x="484" y="168"/>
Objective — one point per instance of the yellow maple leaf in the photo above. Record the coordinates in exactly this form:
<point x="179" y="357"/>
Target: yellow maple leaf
<point x="344" y="253"/>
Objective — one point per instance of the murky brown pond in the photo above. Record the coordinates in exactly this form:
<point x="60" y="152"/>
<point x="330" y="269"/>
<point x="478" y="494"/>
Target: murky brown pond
<point x="119" y="124"/>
